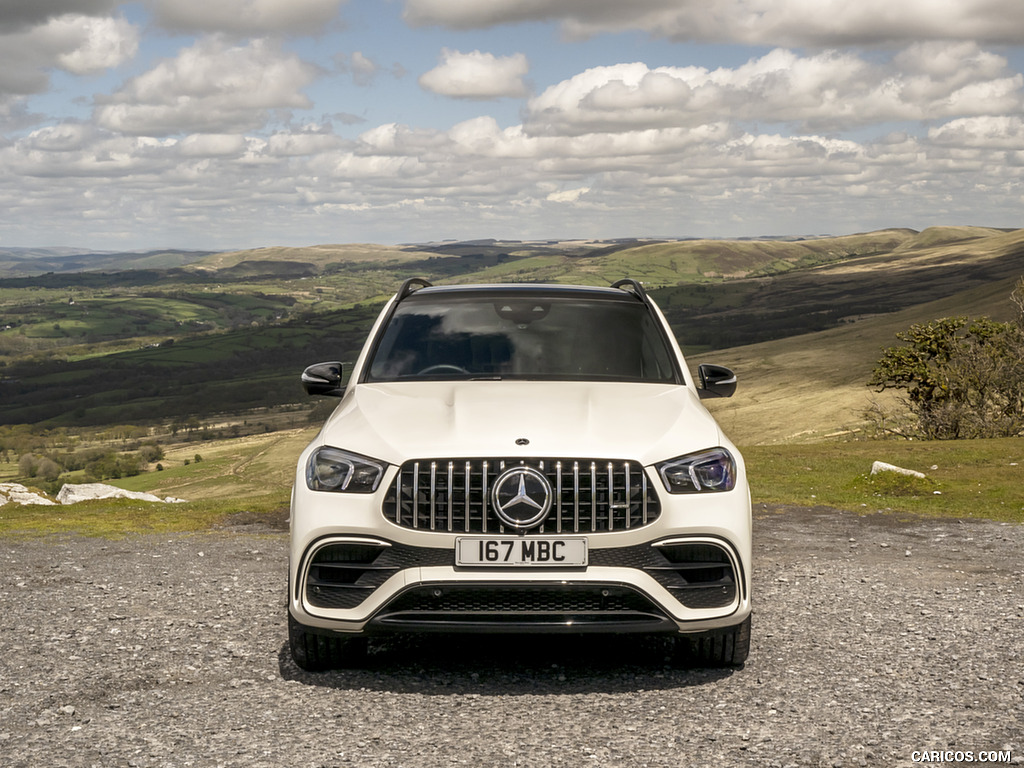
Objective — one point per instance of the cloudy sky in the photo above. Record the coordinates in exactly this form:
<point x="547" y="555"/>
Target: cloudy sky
<point x="218" y="124"/>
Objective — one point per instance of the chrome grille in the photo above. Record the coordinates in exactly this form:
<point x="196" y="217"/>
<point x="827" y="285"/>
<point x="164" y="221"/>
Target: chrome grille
<point x="588" y="495"/>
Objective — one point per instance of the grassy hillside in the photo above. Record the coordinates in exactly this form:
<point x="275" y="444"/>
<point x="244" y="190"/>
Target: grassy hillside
<point x="804" y="325"/>
<point x="318" y="257"/>
<point x="36" y="261"/>
<point x="805" y="388"/>
<point x="737" y="312"/>
<point x="657" y="263"/>
<point x="697" y="261"/>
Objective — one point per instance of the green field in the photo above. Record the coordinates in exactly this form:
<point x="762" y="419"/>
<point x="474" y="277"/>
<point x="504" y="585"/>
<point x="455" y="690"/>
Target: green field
<point x="964" y="478"/>
<point x="248" y="480"/>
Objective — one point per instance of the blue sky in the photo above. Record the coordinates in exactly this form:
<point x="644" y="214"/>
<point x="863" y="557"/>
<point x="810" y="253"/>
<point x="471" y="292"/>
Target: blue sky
<point x="241" y="123"/>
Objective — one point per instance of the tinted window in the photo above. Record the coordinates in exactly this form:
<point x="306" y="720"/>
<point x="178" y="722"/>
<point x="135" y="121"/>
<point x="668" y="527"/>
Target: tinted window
<point x="483" y="336"/>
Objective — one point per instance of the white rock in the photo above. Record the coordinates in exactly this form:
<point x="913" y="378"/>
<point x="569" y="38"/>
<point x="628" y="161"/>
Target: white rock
<point x="72" y="494"/>
<point x="15" y="493"/>
<point x="881" y="466"/>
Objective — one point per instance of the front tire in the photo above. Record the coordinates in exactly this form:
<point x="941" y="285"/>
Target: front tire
<point x="318" y="653"/>
<point x="727" y="647"/>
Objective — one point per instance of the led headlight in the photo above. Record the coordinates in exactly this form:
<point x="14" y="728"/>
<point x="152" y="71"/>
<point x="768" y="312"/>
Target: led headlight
<point x="713" y="470"/>
<point x="331" y="469"/>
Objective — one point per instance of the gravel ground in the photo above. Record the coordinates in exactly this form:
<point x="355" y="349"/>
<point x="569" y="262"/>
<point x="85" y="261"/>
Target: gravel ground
<point x="873" y="639"/>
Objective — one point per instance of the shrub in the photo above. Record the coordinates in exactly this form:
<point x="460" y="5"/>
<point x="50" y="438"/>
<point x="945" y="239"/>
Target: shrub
<point x="27" y="465"/>
<point x="150" y="452"/>
<point x="48" y="469"/>
<point x="963" y="379"/>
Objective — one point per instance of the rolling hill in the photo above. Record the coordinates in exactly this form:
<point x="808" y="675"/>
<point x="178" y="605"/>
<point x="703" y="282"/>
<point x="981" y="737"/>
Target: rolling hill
<point x="802" y="320"/>
<point x="810" y="387"/>
<point x="25" y="262"/>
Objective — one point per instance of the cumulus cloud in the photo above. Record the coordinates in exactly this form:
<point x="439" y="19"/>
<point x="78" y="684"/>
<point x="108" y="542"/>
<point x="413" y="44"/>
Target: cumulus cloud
<point x="567" y="195"/>
<point x="20" y="14"/>
<point x="246" y="17"/>
<point x="95" y="44"/>
<point x="15" y="115"/>
<point x="759" y="22"/>
<point x="77" y="44"/>
<point x="363" y="68"/>
<point x="477" y="176"/>
<point x="477" y="75"/>
<point x="777" y="144"/>
<point x="827" y="91"/>
<point x="212" y="145"/>
<point x="211" y="87"/>
<point x="989" y="132"/>
<point x="312" y="141"/>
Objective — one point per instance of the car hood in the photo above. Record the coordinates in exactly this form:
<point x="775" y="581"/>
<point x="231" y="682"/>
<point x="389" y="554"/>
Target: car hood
<point x="396" y="422"/>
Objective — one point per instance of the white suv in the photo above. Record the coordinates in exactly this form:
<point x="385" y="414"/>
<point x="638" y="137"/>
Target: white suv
<point x="519" y="458"/>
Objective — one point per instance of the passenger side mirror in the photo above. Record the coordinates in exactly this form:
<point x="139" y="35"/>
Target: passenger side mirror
<point x="323" y="379"/>
<point x="716" y="381"/>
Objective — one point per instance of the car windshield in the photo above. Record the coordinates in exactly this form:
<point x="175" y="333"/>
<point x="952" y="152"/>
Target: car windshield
<point x="516" y="336"/>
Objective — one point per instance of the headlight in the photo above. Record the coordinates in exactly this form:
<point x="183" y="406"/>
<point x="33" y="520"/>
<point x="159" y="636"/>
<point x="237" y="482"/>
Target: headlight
<point x="713" y="470"/>
<point x="331" y="469"/>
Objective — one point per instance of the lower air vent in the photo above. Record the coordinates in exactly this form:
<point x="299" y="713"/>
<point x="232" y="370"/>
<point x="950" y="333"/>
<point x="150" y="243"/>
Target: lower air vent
<point x="498" y="608"/>
<point x="341" y="574"/>
<point x="700" y="575"/>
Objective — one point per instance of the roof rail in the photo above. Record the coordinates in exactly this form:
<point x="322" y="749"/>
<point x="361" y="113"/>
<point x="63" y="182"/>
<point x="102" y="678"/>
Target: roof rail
<point x="407" y="287"/>
<point x="633" y="285"/>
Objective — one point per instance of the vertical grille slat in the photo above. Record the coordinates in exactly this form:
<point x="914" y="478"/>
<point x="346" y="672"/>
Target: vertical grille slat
<point x="467" y="489"/>
<point x="643" y="490"/>
<point x="483" y="498"/>
<point x="451" y="494"/>
<point x="627" y="494"/>
<point x="433" y="495"/>
<point x="416" y="495"/>
<point x="611" y="497"/>
<point x="588" y="496"/>
<point x="558" y="497"/>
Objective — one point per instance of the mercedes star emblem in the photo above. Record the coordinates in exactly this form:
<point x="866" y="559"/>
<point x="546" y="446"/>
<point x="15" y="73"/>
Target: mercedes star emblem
<point x="521" y="497"/>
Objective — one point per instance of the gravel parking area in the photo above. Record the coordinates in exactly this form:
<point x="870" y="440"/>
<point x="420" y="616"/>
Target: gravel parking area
<point x="874" y="639"/>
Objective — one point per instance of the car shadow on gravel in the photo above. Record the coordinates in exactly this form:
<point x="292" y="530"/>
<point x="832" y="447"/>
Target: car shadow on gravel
<point x="511" y="665"/>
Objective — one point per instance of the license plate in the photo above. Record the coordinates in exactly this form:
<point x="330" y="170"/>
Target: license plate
<point x="521" y="552"/>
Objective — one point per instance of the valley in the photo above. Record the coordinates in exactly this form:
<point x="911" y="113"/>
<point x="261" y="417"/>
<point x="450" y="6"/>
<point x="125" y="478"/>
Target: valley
<point x="226" y="333"/>
<point x="203" y="358"/>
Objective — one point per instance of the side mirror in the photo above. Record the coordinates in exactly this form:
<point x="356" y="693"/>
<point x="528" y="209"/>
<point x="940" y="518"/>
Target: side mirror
<point x="716" y="381"/>
<point x="323" y="379"/>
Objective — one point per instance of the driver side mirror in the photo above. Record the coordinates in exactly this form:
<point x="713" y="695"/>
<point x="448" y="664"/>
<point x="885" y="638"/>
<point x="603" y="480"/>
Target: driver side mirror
<point x="323" y="379"/>
<point x="716" y="381"/>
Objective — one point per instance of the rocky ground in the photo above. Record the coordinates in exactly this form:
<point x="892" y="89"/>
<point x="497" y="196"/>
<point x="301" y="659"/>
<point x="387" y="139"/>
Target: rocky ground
<point x="874" y="638"/>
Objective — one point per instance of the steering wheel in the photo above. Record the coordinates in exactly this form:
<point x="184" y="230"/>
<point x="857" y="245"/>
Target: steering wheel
<point x="442" y="368"/>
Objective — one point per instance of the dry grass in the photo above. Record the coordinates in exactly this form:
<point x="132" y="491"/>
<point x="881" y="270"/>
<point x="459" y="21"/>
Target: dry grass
<point x="805" y="388"/>
<point x="319" y="255"/>
<point x="244" y="467"/>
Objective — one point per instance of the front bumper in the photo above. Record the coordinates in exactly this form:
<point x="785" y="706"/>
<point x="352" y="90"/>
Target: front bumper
<point x="358" y="584"/>
<point x="353" y="571"/>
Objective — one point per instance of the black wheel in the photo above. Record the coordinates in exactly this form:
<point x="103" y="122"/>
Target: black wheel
<point x="317" y="653"/>
<point x="727" y="647"/>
